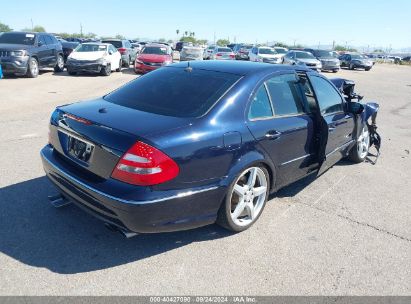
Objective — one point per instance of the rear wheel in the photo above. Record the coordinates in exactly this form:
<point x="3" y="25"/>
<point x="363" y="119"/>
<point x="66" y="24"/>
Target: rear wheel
<point x="71" y="73"/>
<point x="367" y="69"/>
<point x="351" y="67"/>
<point x="245" y="200"/>
<point x="119" y="66"/>
<point x="60" y="64"/>
<point x="33" y="68"/>
<point x="335" y="71"/>
<point x="360" y="150"/>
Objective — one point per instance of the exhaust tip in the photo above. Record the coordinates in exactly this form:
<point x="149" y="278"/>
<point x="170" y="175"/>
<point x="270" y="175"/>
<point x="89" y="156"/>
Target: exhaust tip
<point x="126" y="233"/>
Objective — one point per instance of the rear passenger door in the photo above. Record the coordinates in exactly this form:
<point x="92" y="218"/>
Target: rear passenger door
<point x="52" y="52"/>
<point x="279" y="122"/>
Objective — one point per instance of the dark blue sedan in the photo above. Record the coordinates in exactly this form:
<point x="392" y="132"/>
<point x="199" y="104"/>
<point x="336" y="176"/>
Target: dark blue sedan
<point x="197" y="143"/>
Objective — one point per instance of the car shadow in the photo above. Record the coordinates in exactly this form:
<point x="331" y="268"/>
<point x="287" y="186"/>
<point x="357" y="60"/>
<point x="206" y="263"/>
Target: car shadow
<point x="129" y="71"/>
<point x="68" y="240"/>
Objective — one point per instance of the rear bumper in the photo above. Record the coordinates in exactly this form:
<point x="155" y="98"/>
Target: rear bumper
<point x="134" y="208"/>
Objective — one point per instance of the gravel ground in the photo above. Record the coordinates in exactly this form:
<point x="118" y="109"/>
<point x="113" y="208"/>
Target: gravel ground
<point x="345" y="233"/>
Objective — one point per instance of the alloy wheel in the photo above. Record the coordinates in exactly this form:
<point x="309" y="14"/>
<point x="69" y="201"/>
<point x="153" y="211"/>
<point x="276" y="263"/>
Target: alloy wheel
<point x="248" y="196"/>
<point x="363" y="143"/>
<point x="34" y="68"/>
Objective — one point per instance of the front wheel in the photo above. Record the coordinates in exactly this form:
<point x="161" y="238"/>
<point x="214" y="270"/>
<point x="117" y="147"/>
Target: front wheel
<point x="33" y="68"/>
<point x="106" y="71"/>
<point x="245" y="200"/>
<point x="351" y="67"/>
<point x="367" y="69"/>
<point x="360" y="150"/>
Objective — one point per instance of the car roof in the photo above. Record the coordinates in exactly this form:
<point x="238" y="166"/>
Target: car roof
<point x="156" y="45"/>
<point x="113" y="39"/>
<point x="238" y="67"/>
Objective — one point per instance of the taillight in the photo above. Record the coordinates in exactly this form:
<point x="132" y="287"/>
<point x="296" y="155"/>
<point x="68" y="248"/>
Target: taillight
<point x="122" y="50"/>
<point x="219" y="54"/>
<point x="232" y="56"/>
<point x="145" y="165"/>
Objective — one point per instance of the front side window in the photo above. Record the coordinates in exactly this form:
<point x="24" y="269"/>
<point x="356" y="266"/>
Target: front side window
<point x="260" y="105"/>
<point x="285" y="95"/>
<point x="328" y="98"/>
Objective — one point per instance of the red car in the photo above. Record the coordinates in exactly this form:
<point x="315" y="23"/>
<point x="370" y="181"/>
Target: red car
<point x="152" y="57"/>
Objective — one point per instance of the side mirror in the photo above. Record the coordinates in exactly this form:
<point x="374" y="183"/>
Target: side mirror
<point x="110" y="52"/>
<point x="355" y="107"/>
<point x="40" y="43"/>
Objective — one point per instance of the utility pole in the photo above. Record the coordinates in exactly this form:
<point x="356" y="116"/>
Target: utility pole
<point x="214" y="38"/>
<point x="333" y="44"/>
<point x="81" y="30"/>
<point x="32" y="26"/>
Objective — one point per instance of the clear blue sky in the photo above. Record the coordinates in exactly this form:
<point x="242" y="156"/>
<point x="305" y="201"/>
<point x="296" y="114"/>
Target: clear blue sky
<point x="355" y="22"/>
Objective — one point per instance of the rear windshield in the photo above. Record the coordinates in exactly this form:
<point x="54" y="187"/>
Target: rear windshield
<point x="155" y="50"/>
<point x="17" y="38"/>
<point x="304" y="55"/>
<point x="323" y="54"/>
<point x="224" y="50"/>
<point x="116" y="43"/>
<point x="174" y="91"/>
<point x="267" y="51"/>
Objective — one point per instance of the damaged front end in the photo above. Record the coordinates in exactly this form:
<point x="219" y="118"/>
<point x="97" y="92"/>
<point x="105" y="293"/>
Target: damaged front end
<point x="366" y="113"/>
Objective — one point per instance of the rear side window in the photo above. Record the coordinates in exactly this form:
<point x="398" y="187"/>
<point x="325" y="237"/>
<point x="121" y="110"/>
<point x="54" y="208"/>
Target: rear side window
<point x="260" y="105"/>
<point x="328" y="98"/>
<point x="285" y="95"/>
<point x="174" y="91"/>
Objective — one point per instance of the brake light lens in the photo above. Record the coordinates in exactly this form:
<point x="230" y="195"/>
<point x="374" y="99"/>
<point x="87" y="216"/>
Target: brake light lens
<point x="219" y="54"/>
<point x="122" y="50"/>
<point x="145" y="165"/>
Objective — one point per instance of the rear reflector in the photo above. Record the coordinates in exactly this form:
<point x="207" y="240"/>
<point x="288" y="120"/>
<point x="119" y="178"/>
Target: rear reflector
<point x="145" y="165"/>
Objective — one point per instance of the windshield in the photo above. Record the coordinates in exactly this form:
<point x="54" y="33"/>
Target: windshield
<point x="155" y="50"/>
<point x="304" y="55"/>
<point x="267" y="51"/>
<point x="116" y="43"/>
<point x="323" y="54"/>
<point x="91" y="48"/>
<point x="224" y="50"/>
<point x="174" y="91"/>
<point x="357" y="56"/>
<point x="17" y="38"/>
<point x="280" y="50"/>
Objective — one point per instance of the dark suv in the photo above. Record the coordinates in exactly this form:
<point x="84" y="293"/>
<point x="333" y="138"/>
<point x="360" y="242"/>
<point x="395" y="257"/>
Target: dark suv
<point x="127" y="51"/>
<point x="25" y="53"/>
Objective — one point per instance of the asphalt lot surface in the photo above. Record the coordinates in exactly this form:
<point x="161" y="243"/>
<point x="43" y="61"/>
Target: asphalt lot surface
<point x="346" y="233"/>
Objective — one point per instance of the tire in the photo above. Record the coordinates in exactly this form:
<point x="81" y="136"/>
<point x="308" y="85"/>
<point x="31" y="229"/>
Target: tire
<point x="119" y="66"/>
<point x="359" y="152"/>
<point x="126" y="64"/>
<point x="351" y="67"/>
<point x="33" y="68"/>
<point x="71" y="73"/>
<point x="60" y="64"/>
<point x="367" y="69"/>
<point x="335" y="71"/>
<point x="106" y="71"/>
<point x="243" y="204"/>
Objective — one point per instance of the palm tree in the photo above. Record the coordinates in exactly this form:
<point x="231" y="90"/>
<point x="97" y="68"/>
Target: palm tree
<point x="178" y="32"/>
<point x="185" y="33"/>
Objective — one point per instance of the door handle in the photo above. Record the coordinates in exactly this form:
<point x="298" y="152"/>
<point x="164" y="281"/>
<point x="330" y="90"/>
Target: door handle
<point x="273" y="134"/>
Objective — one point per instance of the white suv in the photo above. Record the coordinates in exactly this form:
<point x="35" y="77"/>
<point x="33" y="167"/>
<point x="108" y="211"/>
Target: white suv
<point x="264" y="54"/>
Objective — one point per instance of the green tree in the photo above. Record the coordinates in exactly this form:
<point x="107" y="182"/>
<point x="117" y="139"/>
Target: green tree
<point x="188" y="39"/>
<point x="281" y="44"/>
<point x="223" y="42"/>
<point x="5" y="28"/>
<point x="202" y="41"/>
<point x="36" y="28"/>
<point x="118" y="36"/>
<point x="162" y="40"/>
<point x="378" y="51"/>
<point x="340" y="48"/>
<point x="169" y="41"/>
